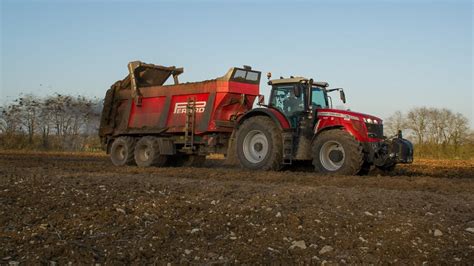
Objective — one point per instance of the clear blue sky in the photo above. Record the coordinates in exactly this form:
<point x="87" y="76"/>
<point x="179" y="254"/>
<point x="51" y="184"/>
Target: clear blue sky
<point x="388" y="55"/>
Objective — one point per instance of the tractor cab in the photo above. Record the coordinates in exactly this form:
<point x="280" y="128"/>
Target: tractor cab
<point x="298" y="97"/>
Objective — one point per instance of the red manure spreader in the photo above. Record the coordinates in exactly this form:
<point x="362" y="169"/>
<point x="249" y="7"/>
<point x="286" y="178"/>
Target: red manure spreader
<point x="147" y="123"/>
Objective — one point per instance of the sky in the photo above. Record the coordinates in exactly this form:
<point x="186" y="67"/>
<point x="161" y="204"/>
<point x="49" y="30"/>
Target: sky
<point x="387" y="55"/>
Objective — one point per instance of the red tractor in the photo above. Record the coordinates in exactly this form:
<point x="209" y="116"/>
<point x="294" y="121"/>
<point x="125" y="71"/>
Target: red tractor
<point x="147" y="123"/>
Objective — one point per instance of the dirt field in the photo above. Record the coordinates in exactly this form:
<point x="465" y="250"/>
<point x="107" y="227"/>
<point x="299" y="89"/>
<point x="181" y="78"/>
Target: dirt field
<point x="61" y="208"/>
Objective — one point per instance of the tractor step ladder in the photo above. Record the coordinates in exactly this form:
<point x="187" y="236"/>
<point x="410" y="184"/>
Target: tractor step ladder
<point x="189" y="125"/>
<point x="287" y="148"/>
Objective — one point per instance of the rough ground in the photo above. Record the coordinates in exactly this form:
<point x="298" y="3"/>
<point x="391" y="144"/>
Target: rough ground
<point x="79" y="208"/>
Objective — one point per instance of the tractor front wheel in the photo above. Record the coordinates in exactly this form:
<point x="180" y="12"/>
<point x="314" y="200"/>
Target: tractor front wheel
<point x="337" y="152"/>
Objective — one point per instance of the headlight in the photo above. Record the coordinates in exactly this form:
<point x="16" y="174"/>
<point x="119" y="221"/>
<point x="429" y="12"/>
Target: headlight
<point x="371" y="121"/>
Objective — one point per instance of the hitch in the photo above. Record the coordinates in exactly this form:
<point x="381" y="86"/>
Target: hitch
<point x="394" y="150"/>
<point x="401" y="149"/>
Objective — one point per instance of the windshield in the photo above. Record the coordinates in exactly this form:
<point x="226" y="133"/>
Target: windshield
<point x="283" y="98"/>
<point x="318" y="97"/>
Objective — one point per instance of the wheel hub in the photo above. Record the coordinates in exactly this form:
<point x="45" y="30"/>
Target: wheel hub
<point x="121" y="152"/>
<point x="255" y="146"/>
<point x="144" y="152"/>
<point x="332" y="155"/>
<point x="336" y="156"/>
<point x="258" y="146"/>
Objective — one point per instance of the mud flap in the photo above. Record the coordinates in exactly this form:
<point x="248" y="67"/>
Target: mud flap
<point x="231" y="155"/>
<point x="166" y="146"/>
<point x="287" y="138"/>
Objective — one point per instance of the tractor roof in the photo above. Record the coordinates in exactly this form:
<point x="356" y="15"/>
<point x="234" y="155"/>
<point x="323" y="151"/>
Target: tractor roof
<point x="296" y="80"/>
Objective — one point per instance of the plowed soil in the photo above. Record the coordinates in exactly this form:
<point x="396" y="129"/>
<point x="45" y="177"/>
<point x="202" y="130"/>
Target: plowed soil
<point x="78" y="208"/>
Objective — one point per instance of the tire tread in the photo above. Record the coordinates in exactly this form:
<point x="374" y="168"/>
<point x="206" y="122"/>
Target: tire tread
<point x="275" y="161"/>
<point x="353" y="150"/>
<point x="129" y="143"/>
<point x="158" y="160"/>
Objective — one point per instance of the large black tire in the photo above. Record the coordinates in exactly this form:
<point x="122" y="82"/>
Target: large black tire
<point x="147" y="153"/>
<point x="337" y="152"/>
<point x="122" y="150"/>
<point x="259" y="144"/>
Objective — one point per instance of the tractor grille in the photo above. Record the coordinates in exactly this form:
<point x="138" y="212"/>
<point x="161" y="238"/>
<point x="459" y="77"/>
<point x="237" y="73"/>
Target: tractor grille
<point x="374" y="130"/>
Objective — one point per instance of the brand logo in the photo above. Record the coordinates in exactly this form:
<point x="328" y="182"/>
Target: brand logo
<point x="180" y="108"/>
<point x="334" y="114"/>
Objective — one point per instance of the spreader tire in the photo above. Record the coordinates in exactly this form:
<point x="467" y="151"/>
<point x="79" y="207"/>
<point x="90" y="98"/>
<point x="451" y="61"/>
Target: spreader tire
<point x="122" y="150"/>
<point x="147" y="153"/>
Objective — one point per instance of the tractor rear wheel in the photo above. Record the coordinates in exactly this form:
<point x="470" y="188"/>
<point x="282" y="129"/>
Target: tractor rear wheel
<point x="147" y="153"/>
<point x="259" y="144"/>
<point x="122" y="150"/>
<point x="337" y="152"/>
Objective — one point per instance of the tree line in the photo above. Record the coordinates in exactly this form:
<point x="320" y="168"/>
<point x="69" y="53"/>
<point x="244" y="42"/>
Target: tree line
<point x="436" y="132"/>
<point x="70" y="123"/>
<point x="57" y="122"/>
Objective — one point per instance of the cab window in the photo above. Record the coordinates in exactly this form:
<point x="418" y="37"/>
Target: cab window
<point x="318" y="98"/>
<point x="285" y="100"/>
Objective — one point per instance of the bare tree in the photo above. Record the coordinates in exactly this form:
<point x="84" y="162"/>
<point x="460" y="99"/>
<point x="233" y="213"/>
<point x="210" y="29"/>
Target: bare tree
<point x="66" y="121"/>
<point x="45" y="123"/>
<point x="470" y="137"/>
<point x="11" y="119"/>
<point x="395" y="122"/>
<point x="438" y="124"/>
<point x="436" y="130"/>
<point x="417" y="121"/>
<point x="29" y="109"/>
<point x="458" y="131"/>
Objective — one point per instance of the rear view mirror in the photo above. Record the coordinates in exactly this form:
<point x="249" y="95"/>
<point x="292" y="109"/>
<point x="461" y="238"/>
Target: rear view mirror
<point x="342" y="95"/>
<point x="261" y="100"/>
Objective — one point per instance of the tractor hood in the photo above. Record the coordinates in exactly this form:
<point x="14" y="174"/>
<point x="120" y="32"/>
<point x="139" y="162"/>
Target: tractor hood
<point x="349" y="115"/>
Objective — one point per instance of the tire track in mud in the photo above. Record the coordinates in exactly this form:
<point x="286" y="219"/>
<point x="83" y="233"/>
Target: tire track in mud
<point x="79" y="208"/>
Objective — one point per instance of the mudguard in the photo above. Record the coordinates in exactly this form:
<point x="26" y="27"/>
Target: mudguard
<point x="274" y="114"/>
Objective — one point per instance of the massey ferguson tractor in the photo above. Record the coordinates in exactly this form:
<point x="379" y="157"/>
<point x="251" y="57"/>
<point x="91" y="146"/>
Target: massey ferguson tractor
<point x="147" y="123"/>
